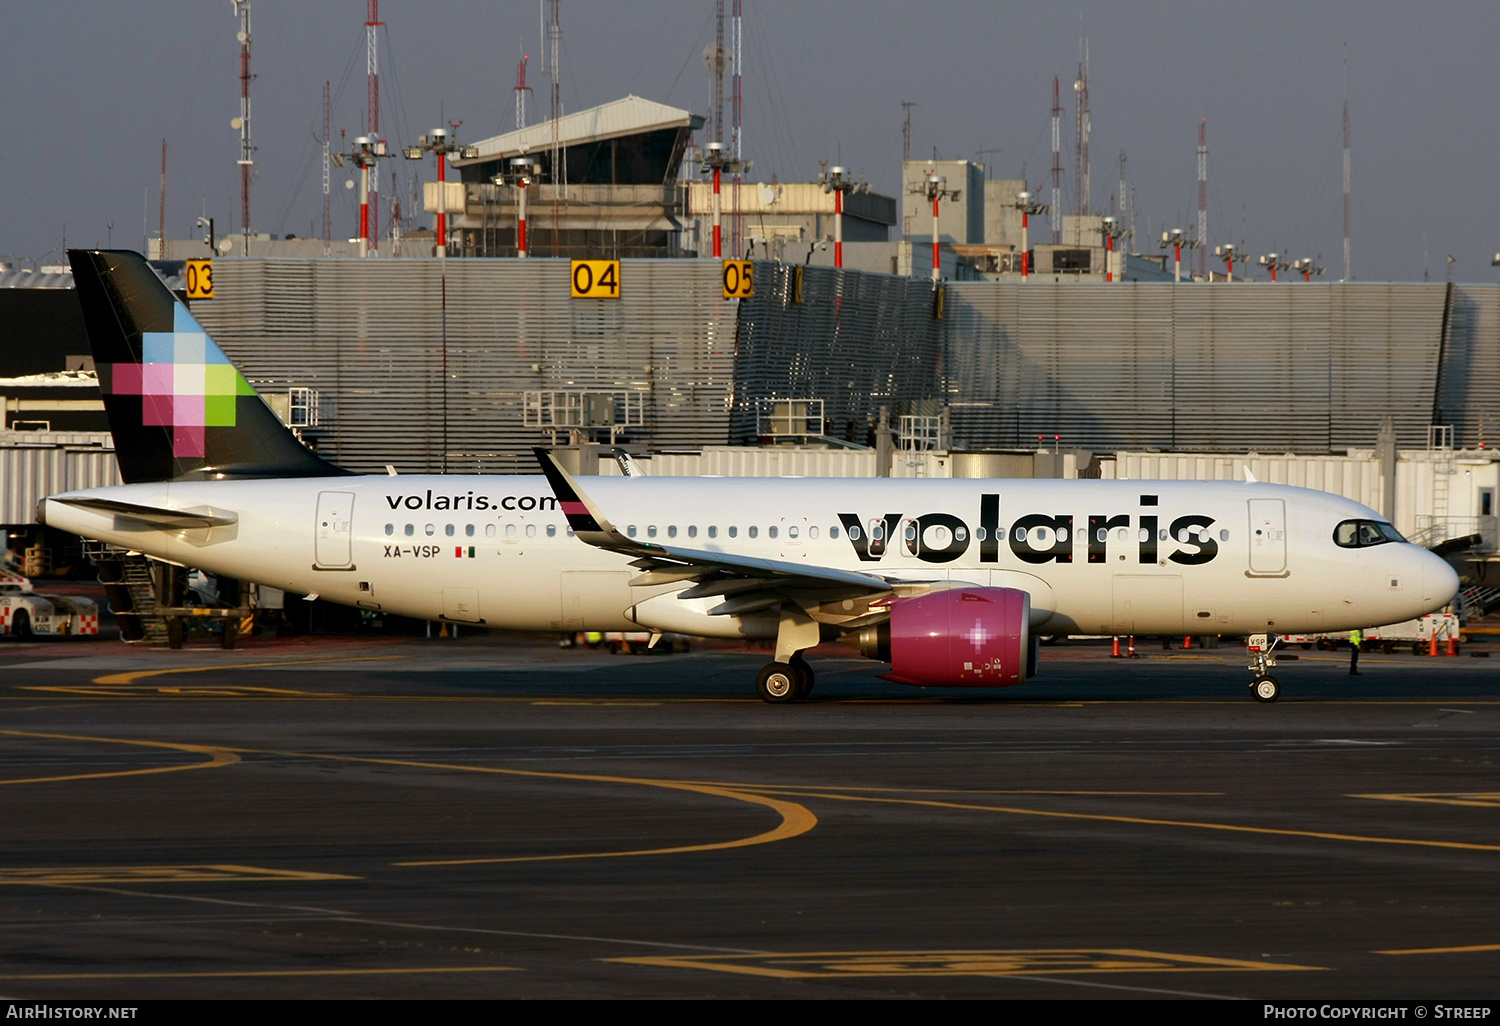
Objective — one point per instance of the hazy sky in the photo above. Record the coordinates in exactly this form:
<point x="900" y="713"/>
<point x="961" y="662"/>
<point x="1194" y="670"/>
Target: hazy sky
<point x="90" y="89"/>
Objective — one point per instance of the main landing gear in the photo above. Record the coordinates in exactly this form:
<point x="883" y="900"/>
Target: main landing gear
<point x="1264" y="687"/>
<point x="790" y="681"/>
<point x="789" y="678"/>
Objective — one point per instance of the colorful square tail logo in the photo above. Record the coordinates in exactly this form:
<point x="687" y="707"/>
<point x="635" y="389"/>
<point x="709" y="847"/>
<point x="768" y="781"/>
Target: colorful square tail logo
<point x="186" y="383"/>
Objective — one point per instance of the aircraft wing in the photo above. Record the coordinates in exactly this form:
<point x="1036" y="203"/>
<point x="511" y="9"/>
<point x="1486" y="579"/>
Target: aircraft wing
<point x="748" y="584"/>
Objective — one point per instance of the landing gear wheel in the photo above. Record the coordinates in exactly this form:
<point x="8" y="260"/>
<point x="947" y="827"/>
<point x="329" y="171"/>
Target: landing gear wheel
<point x="1265" y="689"/>
<point x="20" y="625"/>
<point x="805" y="677"/>
<point x="777" y="683"/>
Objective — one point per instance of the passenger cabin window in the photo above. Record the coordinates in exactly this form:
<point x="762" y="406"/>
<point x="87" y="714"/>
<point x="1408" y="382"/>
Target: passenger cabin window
<point x="469" y="530"/>
<point x="713" y="532"/>
<point x="430" y="529"/>
<point x="734" y="532"/>
<point x="754" y="531"/>
<point x="770" y="532"/>
<point x="489" y="530"/>
<point x="630" y="530"/>
<point x="448" y="530"/>
<point x="411" y="529"/>
<point x="531" y="530"/>
<point x="390" y="529"/>
<point x="692" y="530"/>
<point x="672" y="531"/>
<point x="551" y="530"/>
<point x="1355" y="534"/>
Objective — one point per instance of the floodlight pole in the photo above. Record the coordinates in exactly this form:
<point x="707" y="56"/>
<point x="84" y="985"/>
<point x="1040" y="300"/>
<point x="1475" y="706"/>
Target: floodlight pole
<point x="1027" y="205"/>
<point x="837" y="182"/>
<point x="439" y="144"/>
<point x="1226" y="253"/>
<point x="1112" y="231"/>
<point x="935" y="187"/>
<point x="714" y="161"/>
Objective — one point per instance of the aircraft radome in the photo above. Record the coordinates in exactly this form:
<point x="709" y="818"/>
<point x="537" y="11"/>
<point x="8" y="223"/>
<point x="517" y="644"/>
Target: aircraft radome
<point x="950" y="581"/>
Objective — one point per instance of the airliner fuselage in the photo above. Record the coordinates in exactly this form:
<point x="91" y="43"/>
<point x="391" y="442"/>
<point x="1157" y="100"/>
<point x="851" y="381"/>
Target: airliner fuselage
<point x="1096" y="557"/>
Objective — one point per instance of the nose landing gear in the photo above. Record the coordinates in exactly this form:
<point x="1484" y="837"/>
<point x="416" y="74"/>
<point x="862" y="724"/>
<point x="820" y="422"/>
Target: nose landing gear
<point x="1264" y="687"/>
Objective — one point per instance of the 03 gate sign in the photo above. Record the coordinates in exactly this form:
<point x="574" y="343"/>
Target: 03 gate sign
<point x="596" y="279"/>
<point x="200" y="279"/>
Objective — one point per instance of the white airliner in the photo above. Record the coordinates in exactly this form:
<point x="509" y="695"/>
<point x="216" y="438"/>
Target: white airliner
<point x="950" y="581"/>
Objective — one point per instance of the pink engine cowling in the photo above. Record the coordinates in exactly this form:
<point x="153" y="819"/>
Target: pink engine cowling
<point x="974" y="637"/>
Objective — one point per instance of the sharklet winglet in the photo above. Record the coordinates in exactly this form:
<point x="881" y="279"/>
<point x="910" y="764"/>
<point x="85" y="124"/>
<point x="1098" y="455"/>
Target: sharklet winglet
<point x="587" y="522"/>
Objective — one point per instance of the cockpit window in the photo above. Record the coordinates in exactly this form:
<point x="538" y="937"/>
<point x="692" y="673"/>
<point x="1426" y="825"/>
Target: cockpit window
<point x="1354" y="534"/>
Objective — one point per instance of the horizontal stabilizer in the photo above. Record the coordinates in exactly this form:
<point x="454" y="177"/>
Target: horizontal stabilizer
<point x="157" y="516"/>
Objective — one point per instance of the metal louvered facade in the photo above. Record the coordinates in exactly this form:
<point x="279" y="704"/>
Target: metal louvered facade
<point x="1305" y="368"/>
<point x="424" y="364"/>
<point x="856" y="341"/>
<point x="1469" y="397"/>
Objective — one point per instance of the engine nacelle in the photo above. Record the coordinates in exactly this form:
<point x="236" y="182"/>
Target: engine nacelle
<point x="963" y="637"/>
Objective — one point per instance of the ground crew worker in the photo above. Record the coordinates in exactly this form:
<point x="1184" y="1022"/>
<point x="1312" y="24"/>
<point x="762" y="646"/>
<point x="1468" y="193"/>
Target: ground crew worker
<point x="1355" y="639"/>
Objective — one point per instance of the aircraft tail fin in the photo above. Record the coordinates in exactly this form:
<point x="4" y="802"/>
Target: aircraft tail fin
<point x="178" y="409"/>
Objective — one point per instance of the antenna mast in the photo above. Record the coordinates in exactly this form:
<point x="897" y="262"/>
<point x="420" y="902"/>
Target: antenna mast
<point x="559" y="168"/>
<point x="521" y="90"/>
<point x="1348" y="274"/>
<point x="161" y="249"/>
<point x="247" y="151"/>
<point x="735" y="38"/>
<point x="1056" y="214"/>
<point x="1127" y="214"/>
<point x="372" y="77"/>
<point x="327" y="209"/>
<point x="1081" y="184"/>
<point x="1203" y="198"/>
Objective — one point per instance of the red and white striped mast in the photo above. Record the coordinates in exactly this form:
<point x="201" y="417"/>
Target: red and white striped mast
<point x="935" y="187"/>
<point x="837" y="182"/>
<point x="734" y="132"/>
<point x="521" y="90"/>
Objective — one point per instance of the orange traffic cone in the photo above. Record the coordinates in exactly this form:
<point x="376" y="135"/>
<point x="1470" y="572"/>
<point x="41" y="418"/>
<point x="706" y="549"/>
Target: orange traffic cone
<point x="1187" y="641"/>
<point x="1452" y="646"/>
<point x="1114" y="652"/>
<point x="1432" y="644"/>
<point x="1130" y="647"/>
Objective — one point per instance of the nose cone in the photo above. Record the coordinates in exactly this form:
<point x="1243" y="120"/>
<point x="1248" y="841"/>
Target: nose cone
<point x="1439" y="581"/>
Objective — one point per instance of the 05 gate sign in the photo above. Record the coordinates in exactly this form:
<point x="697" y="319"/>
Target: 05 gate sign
<point x="596" y="279"/>
<point x="739" y="279"/>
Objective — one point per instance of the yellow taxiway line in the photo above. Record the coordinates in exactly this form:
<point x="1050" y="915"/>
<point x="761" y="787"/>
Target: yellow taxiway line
<point x="218" y="756"/>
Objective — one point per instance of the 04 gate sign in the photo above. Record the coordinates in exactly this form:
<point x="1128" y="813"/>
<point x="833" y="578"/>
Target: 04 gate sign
<point x="596" y="279"/>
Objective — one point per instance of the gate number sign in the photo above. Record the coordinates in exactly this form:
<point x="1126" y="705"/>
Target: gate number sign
<point x="739" y="279"/>
<point x="596" y="279"/>
<point x="200" y="279"/>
